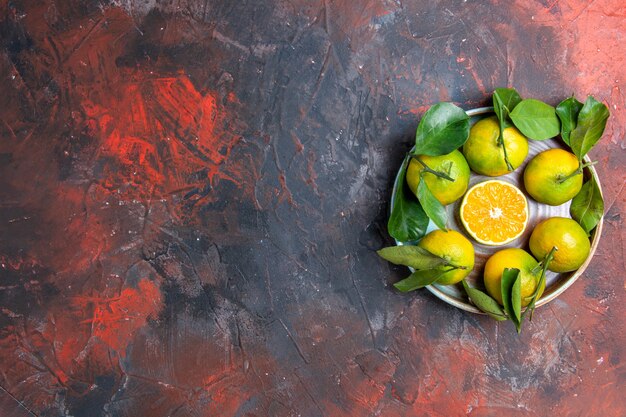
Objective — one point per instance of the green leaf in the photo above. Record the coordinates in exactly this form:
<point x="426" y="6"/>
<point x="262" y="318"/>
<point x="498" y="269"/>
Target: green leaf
<point x="568" y="110"/>
<point x="484" y="302"/>
<point x="587" y="206"/>
<point x="413" y="256"/>
<point x="504" y="101"/>
<point x="590" y="127"/>
<point x="507" y="123"/>
<point x="444" y="128"/>
<point x="536" y="119"/>
<point x="433" y="208"/>
<point x="407" y="221"/>
<point x="420" y="279"/>
<point x="542" y="282"/>
<point x="509" y="278"/>
<point x="533" y="299"/>
<point x="516" y="301"/>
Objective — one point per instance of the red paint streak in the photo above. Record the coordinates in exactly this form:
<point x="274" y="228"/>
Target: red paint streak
<point x="297" y="143"/>
<point x="158" y="133"/>
<point x="226" y="393"/>
<point x="284" y="193"/>
<point x="18" y="263"/>
<point x="416" y="110"/>
<point x="312" y="175"/>
<point x="591" y="34"/>
<point x="468" y="65"/>
<point x="154" y="134"/>
<point x="115" y="320"/>
<point x="356" y="14"/>
<point x="594" y="53"/>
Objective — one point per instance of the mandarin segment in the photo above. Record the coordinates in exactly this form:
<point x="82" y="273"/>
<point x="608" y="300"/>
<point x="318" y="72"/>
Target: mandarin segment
<point x="494" y="212"/>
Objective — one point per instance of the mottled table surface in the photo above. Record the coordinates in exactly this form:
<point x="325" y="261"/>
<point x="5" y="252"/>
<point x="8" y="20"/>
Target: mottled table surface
<point x="191" y="194"/>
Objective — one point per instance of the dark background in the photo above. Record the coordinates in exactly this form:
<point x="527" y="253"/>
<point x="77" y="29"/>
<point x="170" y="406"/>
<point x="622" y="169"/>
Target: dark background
<point x="191" y="193"/>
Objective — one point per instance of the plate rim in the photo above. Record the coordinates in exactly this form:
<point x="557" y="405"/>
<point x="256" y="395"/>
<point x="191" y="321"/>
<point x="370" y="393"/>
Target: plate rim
<point x="479" y="111"/>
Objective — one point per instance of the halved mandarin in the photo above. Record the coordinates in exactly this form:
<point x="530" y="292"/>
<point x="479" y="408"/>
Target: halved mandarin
<point x="494" y="212"/>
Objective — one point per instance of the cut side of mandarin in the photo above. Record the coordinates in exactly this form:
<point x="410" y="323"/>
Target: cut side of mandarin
<point x="494" y="212"/>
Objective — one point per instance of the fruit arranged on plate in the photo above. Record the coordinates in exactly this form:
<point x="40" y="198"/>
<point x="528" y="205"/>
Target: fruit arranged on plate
<point x="455" y="248"/>
<point x="484" y="152"/>
<point x="444" y="257"/>
<point x="529" y="273"/>
<point x="446" y="188"/>
<point x="552" y="177"/>
<point x="567" y="236"/>
<point x="435" y="174"/>
<point x="494" y="212"/>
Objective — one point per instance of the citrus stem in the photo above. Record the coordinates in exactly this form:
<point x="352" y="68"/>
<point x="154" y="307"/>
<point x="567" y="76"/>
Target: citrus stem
<point x="543" y="265"/>
<point x="432" y="171"/>
<point x="452" y="267"/>
<point x="455" y="267"/>
<point x="546" y="261"/>
<point x="542" y="279"/>
<point x="578" y="171"/>
<point x="506" y="156"/>
<point x="536" y="269"/>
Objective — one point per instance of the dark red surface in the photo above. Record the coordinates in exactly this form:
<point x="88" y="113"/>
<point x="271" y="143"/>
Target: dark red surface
<point x="191" y="193"/>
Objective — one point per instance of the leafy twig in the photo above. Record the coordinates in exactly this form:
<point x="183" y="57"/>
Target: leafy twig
<point x="501" y="143"/>
<point x="542" y="280"/>
<point x="430" y="170"/>
<point x="578" y="171"/>
<point x="504" y="100"/>
<point x="485" y="303"/>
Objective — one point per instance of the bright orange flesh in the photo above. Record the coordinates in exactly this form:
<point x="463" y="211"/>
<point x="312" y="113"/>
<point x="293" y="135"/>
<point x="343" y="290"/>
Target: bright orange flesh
<point x="494" y="212"/>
